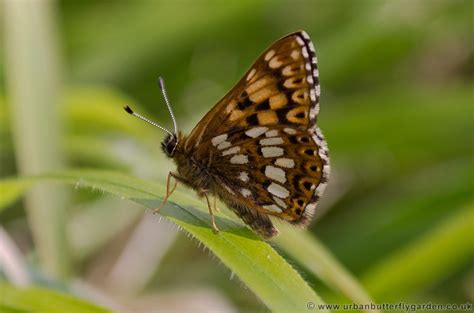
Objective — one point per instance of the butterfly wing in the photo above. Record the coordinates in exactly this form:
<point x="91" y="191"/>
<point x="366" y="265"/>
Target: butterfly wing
<point x="275" y="170"/>
<point x="261" y="138"/>
<point x="284" y="78"/>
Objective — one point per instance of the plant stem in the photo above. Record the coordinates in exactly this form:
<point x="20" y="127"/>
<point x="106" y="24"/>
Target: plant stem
<point x="33" y="87"/>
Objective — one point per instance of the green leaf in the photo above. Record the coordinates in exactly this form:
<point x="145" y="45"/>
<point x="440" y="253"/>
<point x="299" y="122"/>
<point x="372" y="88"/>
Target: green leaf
<point x="426" y="260"/>
<point x="12" y="189"/>
<point x="254" y="261"/>
<point x="15" y="299"/>
<point x="309" y="252"/>
<point x="95" y="110"/>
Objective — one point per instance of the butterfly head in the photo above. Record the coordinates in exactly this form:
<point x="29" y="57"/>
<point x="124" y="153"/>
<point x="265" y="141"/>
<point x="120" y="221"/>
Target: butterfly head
<point x="169" y="145"/>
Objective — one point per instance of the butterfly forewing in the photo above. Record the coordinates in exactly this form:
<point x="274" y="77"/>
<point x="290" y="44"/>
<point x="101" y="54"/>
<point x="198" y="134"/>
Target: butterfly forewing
<point x="282" y="87"/>
<point x="261" y="141"/>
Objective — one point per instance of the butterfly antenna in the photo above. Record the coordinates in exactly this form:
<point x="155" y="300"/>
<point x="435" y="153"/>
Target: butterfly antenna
<point x="130" y="111"/>
<point x="161" y="83"/>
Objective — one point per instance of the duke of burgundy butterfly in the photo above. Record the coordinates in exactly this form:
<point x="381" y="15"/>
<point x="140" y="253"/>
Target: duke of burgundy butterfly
<point x="258" y="149"/>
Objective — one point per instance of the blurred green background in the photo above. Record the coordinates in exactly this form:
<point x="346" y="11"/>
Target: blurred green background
<point x="396" y="110"/>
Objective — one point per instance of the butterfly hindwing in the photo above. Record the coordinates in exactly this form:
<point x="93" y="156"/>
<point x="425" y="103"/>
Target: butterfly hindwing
<point x="274" y="170"/>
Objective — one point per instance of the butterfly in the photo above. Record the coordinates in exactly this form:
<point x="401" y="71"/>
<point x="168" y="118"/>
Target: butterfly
<point x="258" y="149"/>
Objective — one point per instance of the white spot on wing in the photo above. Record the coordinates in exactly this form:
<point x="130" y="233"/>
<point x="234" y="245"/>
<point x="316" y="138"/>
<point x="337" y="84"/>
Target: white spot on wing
<point x="272" y="133"/>
<point x="244" y="176"/>
<point x="280" y="202"/>
<point x="272" y="151"/>
<point x="269" y="55"/>
<point x="273" y="208"/>
<point x="309" y="209"/>
<point x="239" y="159"/>
<point x="223" y="145"/>
<point x="326" y="171"/>
<point x="271" y="141"/>
<point x="320" y="189"/>
<point x="323" y="154"/>
<point x="218" y="139"/>
<point x="275" y="173"/>
<point x="309" y="79"/>
<point x="289" y="131"/>
<point x="295" y="54"/>
<point x="314" y="111"/>
<point x="318" y="89"/>
<point x="275" y="63"/>
<point x="304" y="52"/>
<point x="245" y="192"/>
<point x="256" y="131"/>
<point x="251" y="74"/>
<point x="232" y="150"/>
<point x="305" y="35"/>
<point x="300" y="41"/>
<point x="284" y="162"/>
<point x="278" y="190"/>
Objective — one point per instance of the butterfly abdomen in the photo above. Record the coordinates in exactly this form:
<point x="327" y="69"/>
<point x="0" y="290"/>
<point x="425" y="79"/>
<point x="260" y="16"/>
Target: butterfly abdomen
<point x="260" y="223"/>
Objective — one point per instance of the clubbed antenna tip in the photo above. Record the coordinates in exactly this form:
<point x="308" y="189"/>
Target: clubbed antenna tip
<point x="161" y="83"/>
<point x="128" y="110"/>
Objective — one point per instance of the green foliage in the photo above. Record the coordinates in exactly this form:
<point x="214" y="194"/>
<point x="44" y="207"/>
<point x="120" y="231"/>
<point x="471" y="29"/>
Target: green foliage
<point x="42" y="300"/>
<point x="396" y="110"/>
<point x="412" y="267"/>
<point x="255" y="262"/>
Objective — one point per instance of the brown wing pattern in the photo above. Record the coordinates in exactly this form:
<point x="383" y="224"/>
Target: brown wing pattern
<point x="281" y="88"/>
<point x="276" y="170"/>
<point x="261" y="139"/>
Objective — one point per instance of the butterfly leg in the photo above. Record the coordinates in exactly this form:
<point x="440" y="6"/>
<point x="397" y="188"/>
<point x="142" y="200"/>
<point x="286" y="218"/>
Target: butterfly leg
<point x="168" y="191"/>
<point x="214" y="225"/>
<point x="215" y="205"/>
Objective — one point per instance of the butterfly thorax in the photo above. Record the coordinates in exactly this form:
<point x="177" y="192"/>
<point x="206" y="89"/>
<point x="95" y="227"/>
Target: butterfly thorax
<point x="191" y="171"/>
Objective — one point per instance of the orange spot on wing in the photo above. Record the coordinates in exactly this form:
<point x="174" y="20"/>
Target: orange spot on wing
<point x="235" y="115"/>
<point x="263" y="94"/>
<point x="267" y="118"/>
<point x="278" y="101"/>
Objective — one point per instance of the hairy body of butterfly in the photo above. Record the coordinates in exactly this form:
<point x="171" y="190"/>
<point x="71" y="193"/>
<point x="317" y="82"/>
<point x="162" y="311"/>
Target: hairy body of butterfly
<point x="258" y="149"/>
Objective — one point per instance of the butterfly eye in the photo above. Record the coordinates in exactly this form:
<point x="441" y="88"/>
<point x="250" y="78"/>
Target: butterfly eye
<point x="169" y="145"/>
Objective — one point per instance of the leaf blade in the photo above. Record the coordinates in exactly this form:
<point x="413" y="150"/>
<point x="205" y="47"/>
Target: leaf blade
<point x="254" y="261"/>
<point x="43" y="300"/>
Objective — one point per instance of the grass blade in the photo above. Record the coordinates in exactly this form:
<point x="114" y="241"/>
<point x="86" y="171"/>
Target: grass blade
<point x="412" y="267"/>
<point x="308" y="251"/>
<point x="254" y="261"/>
<point x="32" y="74"/>
<point x="42" y="300"/>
